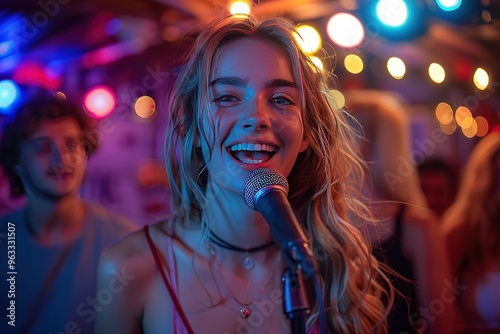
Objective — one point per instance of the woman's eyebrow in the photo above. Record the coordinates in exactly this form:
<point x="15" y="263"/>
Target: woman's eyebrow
<point x="281" y="83"/>
<point x="231" y="81"/>
<point x="239" y="82"/>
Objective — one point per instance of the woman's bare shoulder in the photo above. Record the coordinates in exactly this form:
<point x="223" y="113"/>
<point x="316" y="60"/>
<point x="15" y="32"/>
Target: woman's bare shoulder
<point x="131" y="252"/>
<point x="130" y="262"/>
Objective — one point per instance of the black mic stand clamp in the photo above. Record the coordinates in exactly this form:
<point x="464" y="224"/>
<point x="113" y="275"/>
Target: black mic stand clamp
<point x="295" y="305"/>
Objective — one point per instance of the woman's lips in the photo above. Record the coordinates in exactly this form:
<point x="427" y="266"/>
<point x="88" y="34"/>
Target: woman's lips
<point x="252" y="153"/>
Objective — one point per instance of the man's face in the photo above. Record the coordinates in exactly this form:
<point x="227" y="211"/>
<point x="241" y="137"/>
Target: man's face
<point x="52" y="160"/>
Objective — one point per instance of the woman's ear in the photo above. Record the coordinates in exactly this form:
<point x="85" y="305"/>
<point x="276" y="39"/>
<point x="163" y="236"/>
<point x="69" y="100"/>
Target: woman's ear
<point x="304" y="145"/>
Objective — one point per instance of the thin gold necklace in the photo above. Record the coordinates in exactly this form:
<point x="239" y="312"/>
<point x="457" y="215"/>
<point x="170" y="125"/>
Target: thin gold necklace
<point x="245" y="310"/>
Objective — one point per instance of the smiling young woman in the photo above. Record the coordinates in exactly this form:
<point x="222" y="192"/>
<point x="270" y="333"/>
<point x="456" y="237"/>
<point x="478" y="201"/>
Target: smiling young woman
<point x="248" y="98"/>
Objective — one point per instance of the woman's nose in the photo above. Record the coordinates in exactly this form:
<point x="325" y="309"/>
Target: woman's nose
<point x="257" y="118"/>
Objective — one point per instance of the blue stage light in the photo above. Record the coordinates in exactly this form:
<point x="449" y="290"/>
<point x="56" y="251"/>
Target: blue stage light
<point x="449" y="5"/>
<point x="9" y="93"/>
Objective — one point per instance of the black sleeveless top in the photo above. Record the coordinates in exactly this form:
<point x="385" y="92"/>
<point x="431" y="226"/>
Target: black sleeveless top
<point x="404" y="317"/>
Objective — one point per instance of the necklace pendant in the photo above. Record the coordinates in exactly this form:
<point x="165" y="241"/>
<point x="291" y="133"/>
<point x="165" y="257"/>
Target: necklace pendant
<point x="245" y="312"/>
<point x="248" y="263"/>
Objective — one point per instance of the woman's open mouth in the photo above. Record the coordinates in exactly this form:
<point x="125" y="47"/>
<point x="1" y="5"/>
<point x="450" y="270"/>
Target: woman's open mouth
<point x="250" y="153"/>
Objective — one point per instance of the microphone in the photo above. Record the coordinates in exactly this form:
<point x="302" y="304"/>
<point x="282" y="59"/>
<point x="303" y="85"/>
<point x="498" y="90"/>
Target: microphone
<point x="266" y="191"/>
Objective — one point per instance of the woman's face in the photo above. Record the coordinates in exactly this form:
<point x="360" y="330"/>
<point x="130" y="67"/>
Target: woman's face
<point x="256" y="112"/>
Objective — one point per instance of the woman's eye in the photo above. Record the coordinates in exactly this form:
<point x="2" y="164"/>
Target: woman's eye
<point x="225" y="100"/>
<point x="282" y="100"/>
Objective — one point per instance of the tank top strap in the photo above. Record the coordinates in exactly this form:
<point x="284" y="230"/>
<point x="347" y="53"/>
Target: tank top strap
<point x="179" y="317"/>
<point x="171" y="257"/>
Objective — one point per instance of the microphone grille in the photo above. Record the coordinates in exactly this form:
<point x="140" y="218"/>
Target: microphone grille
<point x="259" y="179"/>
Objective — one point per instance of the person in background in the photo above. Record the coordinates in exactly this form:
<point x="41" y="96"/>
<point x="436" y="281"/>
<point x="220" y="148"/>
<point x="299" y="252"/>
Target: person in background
<point x="407" y="237"/>
<point x="249" y="99"/>
<point x="472" y="234"/>
<point x="52" y="245"/>
<point x="8" y="203"/>
<point x="438" y="181"/>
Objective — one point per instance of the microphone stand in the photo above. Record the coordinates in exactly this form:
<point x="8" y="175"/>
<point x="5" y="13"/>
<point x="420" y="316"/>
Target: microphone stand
<point x="295" y="305"/>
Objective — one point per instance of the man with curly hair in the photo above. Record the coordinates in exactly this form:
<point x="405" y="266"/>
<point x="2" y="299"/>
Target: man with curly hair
<point x="52" y="245"/>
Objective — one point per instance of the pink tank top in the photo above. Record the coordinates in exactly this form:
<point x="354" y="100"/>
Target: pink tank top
<point x="180" y="322"/>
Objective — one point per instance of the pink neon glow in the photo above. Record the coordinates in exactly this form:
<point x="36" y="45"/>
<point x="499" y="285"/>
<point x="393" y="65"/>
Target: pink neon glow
<point x="100" y="102"/>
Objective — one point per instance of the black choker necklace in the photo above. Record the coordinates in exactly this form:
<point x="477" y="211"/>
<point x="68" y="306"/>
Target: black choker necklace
<point x="224" y="244"/>
<point x="248" y="262"/>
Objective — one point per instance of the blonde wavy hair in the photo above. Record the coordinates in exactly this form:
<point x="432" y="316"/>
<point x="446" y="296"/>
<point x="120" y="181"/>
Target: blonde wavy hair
<point x="356" y="291"/>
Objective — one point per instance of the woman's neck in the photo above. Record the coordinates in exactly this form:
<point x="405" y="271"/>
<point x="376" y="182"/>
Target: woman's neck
<point x="228" y="216"/>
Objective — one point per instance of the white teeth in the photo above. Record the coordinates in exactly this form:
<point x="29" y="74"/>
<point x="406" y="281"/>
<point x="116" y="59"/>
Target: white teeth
<point x="252" y="147"/>
<point x="252" y="161"/>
